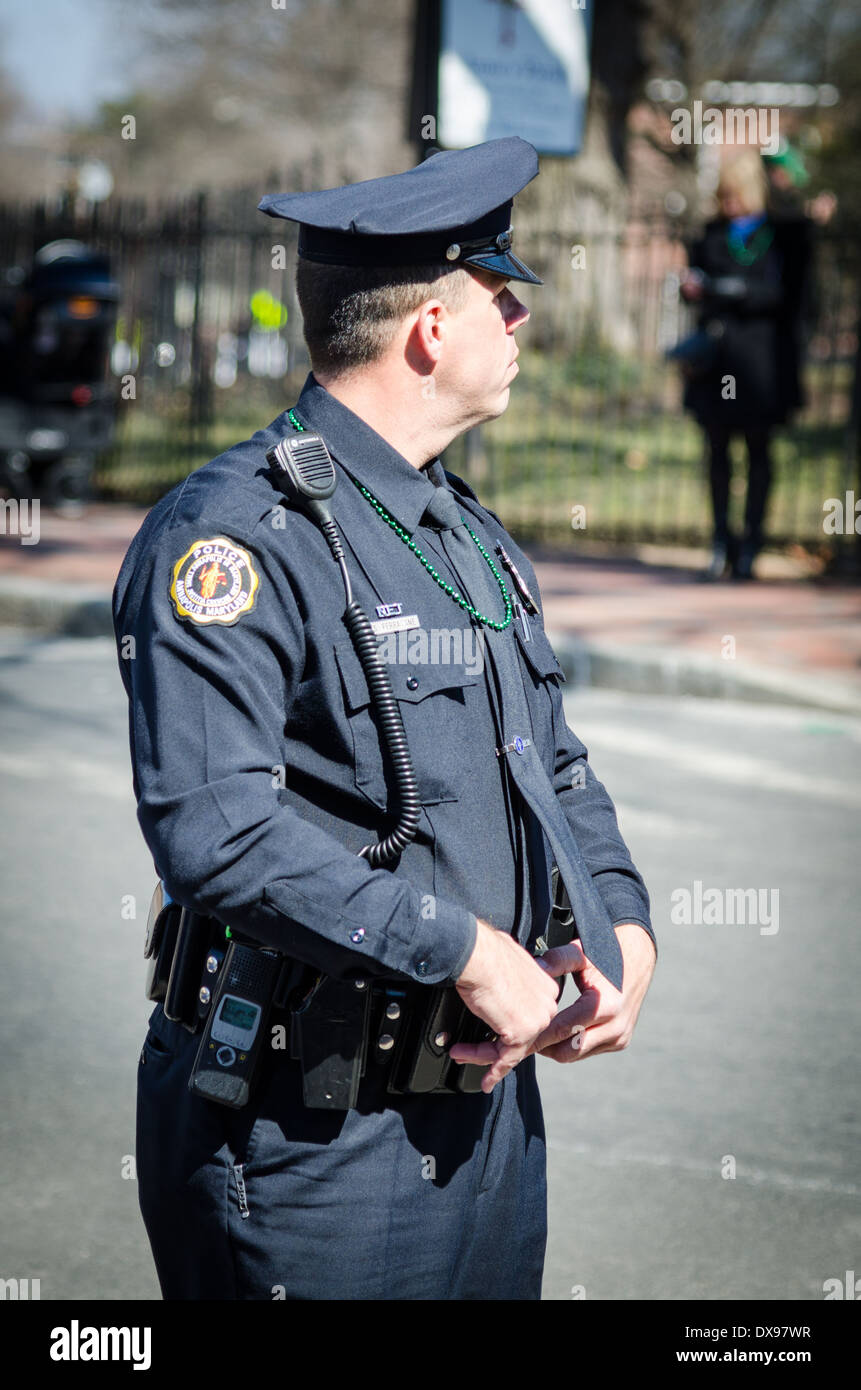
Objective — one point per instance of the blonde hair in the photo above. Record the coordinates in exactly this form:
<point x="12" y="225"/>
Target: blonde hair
<point x="744" y="175"/>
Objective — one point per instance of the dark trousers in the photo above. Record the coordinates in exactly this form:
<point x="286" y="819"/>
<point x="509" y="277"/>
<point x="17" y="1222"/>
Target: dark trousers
<point x="405" y="1197"/>
<point x="758" y="482"/>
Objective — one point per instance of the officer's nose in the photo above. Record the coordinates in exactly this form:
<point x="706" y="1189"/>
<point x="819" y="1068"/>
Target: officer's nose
<point x="516" y="313"/>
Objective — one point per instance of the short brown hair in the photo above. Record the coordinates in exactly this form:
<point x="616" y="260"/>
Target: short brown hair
<point x="351" y="313"/>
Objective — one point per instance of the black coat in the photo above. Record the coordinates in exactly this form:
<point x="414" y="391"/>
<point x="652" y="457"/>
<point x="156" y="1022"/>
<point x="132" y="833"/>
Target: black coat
<point x="759" y="324"/>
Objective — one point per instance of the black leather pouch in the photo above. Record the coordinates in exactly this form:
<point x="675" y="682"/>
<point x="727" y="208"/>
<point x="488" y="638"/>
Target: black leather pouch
<point x="330" y="1038"/>
<point x="161" y="933"/>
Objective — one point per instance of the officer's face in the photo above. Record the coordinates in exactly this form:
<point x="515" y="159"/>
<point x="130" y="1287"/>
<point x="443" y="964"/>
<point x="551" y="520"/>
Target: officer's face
<point x="479" y="363"/>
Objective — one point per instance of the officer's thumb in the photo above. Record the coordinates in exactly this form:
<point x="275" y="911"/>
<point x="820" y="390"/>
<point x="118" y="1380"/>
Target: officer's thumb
<point x="563" y="960"/>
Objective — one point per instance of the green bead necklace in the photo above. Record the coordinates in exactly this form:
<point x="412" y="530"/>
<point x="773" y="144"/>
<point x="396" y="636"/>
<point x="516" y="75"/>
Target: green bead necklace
<point x="758" y="245"/>
<point x="408" y="541"/>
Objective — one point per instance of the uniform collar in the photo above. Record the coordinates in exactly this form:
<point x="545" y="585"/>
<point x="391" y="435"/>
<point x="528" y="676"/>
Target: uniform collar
<point x="404" y="491"/>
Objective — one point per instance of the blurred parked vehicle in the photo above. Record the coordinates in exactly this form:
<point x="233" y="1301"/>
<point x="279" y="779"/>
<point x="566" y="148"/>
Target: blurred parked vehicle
<point x="57" y="405"/>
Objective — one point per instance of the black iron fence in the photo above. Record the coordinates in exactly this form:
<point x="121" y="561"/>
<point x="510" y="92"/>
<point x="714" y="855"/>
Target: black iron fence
<point x="209" y="346"/>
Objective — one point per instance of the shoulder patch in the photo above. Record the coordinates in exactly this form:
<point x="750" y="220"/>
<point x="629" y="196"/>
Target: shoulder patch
<point x="213" y="582"/>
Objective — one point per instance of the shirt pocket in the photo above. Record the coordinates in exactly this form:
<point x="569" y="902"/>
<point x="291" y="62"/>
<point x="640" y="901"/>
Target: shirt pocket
<point x="435" y="708"/>
<point x="541" y="659"/>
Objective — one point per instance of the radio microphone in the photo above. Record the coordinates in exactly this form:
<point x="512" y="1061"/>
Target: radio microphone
<point x="306" y="472"/>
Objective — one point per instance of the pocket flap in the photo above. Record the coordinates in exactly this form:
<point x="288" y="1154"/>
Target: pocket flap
<point x="412" y="682"/>
<point x="539" y="653"/>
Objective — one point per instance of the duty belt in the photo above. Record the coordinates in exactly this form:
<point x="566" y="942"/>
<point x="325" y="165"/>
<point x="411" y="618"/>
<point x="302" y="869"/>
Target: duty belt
<point x="348" y="1027"/>
<point x="338" y="1029"/>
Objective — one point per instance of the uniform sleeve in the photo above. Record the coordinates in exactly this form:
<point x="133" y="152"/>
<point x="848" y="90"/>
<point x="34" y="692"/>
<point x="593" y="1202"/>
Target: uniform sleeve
<point x="207" y="706"/>
<point x="592" y="817"/>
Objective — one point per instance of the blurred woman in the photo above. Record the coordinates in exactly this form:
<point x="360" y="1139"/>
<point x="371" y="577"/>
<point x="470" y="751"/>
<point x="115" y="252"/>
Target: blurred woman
<point x="749" y="274"/>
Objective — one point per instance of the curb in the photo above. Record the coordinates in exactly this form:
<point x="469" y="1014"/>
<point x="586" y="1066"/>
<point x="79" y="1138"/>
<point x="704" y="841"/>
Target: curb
<point x="669" y="671"/>
<point x="69" y="610"/>
<point x="80" y="610"/>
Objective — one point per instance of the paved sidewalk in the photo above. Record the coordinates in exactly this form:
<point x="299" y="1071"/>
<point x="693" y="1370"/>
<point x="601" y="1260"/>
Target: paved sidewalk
<point x="656" y="627"/>
<point x="614" y="621"/>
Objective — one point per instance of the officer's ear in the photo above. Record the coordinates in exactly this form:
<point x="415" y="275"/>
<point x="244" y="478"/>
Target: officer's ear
<point x="427" y="336"/>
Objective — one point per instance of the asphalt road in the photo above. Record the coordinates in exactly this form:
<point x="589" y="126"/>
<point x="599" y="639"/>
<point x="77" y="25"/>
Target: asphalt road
<point x="745" y="1059"/>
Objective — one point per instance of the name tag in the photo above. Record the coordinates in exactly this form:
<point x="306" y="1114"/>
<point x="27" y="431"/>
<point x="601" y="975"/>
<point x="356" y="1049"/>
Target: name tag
<point x="396" y="624"/>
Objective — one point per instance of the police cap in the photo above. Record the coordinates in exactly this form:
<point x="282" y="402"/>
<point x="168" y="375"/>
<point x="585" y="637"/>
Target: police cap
<point x="454" y="207"/>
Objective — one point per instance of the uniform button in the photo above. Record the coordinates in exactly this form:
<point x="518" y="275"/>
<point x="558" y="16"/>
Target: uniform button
<point x="357" y="936"/>
<point x="412" y="683"/>
<point x="440" y="1039"/>
<point x="385" y="1041"/>
<point x="423" y="967"/>
<point x="393" y="1011"/>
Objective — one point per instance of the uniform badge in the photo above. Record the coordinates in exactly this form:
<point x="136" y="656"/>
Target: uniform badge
<point x="213" y="582"/>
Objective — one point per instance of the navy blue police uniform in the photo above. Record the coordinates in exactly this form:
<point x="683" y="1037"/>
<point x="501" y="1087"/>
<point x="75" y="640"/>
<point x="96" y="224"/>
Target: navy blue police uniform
<point x="260" y="773"/>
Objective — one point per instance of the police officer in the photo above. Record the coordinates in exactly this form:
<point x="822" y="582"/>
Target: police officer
<point x="263" y="770"/>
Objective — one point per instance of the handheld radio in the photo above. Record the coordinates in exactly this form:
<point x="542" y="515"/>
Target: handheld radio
<point x="235" y="1029"/>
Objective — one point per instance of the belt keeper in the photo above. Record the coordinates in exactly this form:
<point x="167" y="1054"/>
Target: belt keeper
<point x="387" y="1020"/>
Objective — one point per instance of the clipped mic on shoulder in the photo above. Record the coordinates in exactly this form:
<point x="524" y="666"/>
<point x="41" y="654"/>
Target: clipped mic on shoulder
<point x="305" y="470"/>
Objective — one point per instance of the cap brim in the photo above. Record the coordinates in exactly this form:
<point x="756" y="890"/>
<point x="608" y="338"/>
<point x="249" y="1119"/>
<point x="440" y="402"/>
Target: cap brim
<point x="503" y="263"/>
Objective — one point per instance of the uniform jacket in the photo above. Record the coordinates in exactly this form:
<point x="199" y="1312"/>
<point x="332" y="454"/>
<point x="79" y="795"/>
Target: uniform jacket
<point x="258" y="766"/>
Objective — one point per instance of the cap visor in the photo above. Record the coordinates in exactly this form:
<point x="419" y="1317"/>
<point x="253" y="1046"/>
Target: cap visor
<point x="503" y="263"/>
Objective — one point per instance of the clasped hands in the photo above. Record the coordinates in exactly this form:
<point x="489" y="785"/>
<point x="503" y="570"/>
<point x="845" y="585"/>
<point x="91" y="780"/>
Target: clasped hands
<point x="516" y="995"/>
